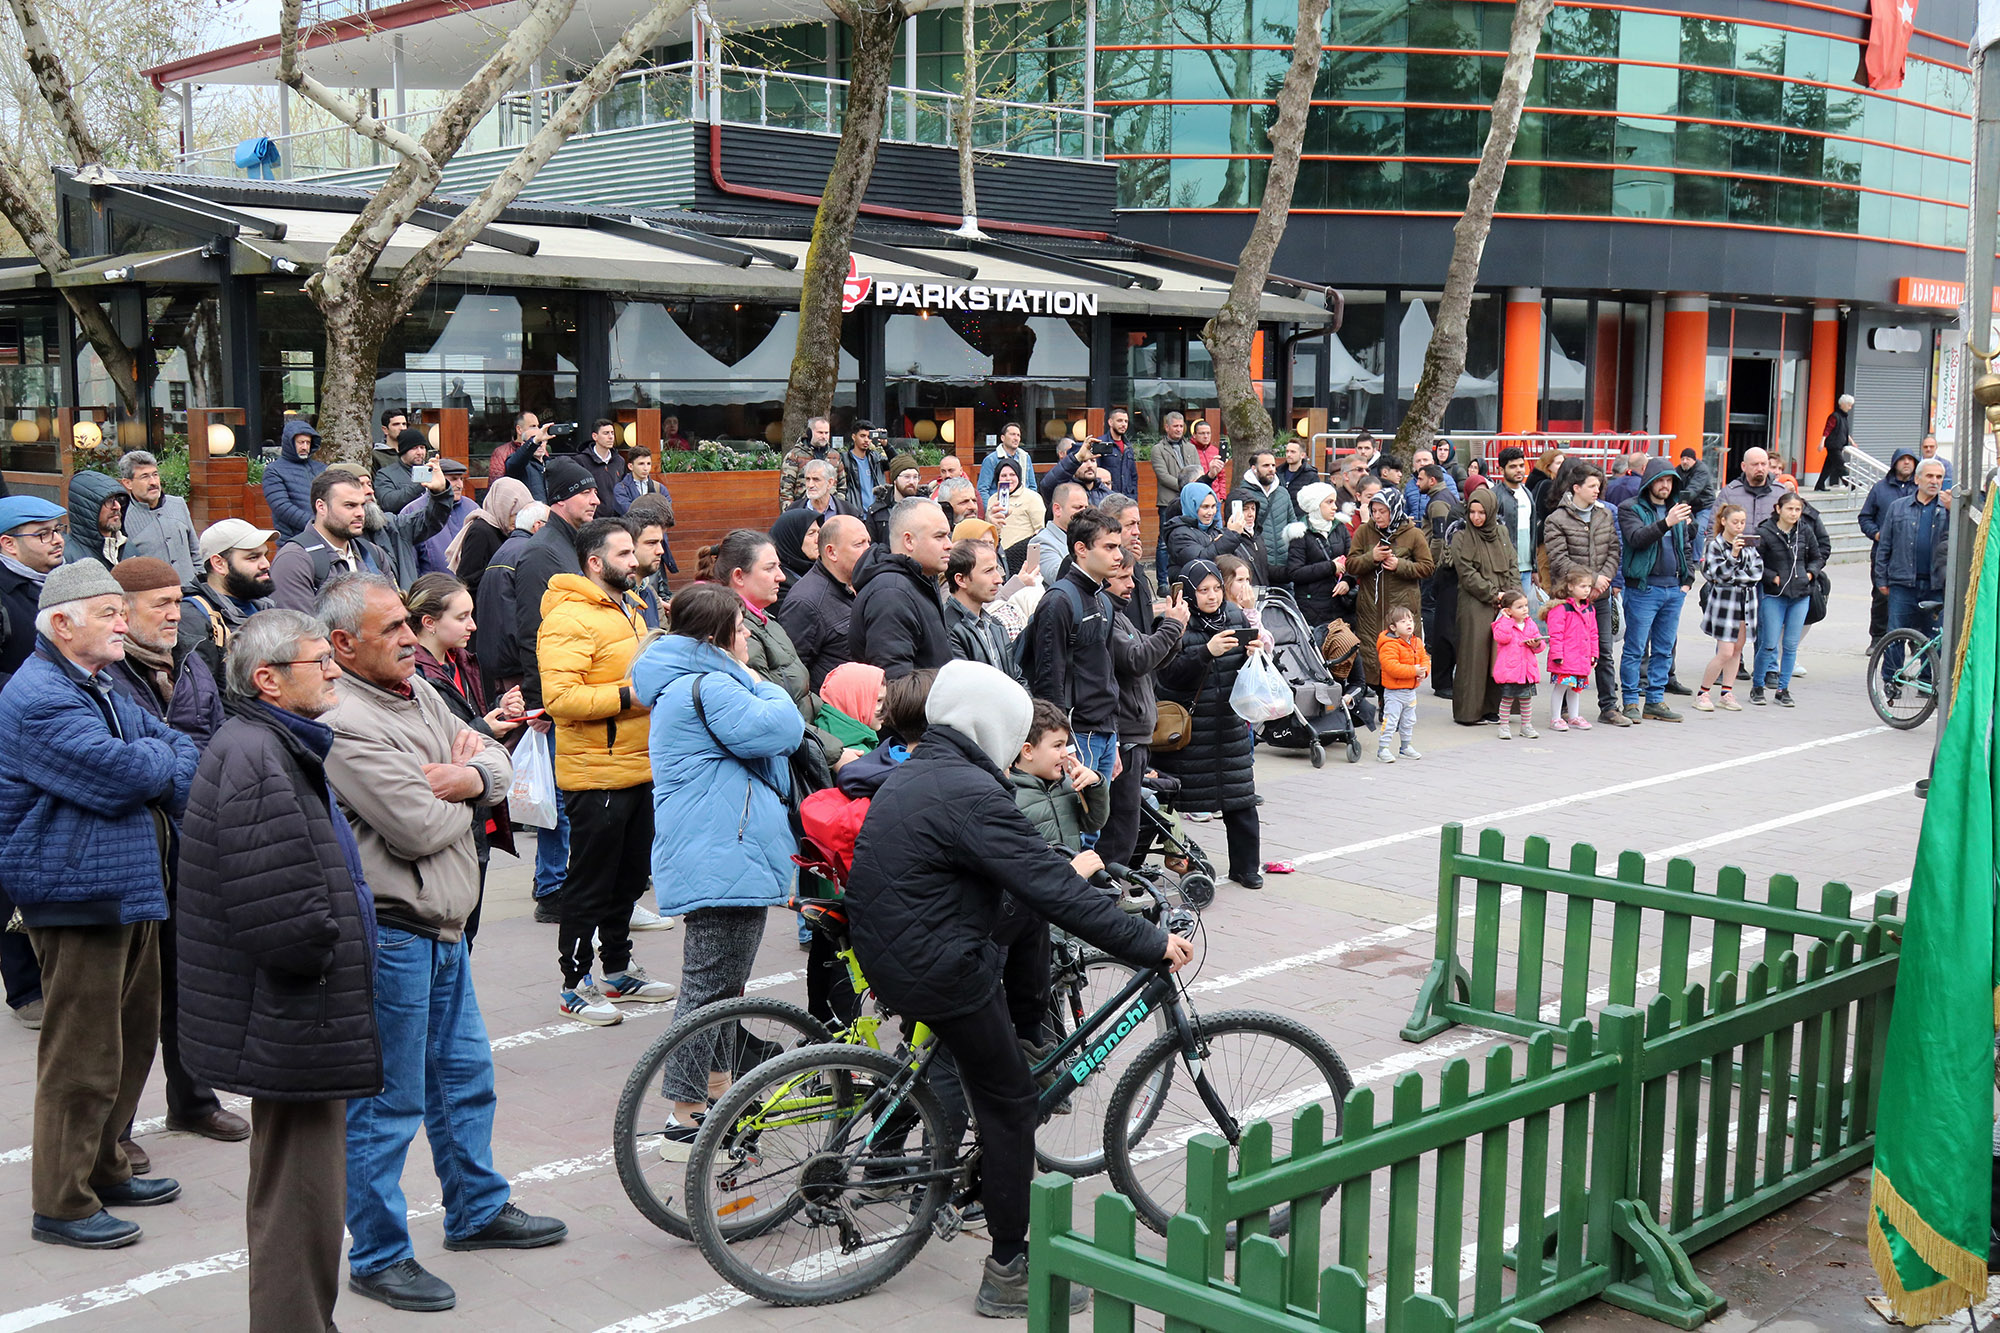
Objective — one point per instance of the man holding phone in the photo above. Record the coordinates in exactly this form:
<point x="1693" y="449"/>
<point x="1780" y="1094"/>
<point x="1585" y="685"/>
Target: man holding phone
<point x="397" y="483"/>
<point x="1659" y="569"/>
<point x="1069" y="654"/>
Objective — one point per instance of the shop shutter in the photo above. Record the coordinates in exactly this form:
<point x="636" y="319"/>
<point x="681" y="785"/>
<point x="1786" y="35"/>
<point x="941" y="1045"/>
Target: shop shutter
<point x="1890" y="403"/>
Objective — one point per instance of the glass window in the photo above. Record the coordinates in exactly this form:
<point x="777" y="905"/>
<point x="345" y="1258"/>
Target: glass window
<point x="1700" y="198"/>
<point x="1566" y="329"/>
<point x="1758" y="99"/>
<point x="1439" y="187"/>
<point x="1710" y="43"/>
<point x="1583" y="32"/>
<point x="1580" y="138"/>
<point x="1355" y="365"/>
<point x="30" y="384"/>
<point x="1444" y="133"/>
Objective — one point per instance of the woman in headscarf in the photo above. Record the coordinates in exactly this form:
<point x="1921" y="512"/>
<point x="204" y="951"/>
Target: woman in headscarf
<point x="1198" y="533"/>
<point x="1026" y="514"/>
<point x="796" y="535"/>
<point x="1387" y="565"/>
<point x="1482" y="554"/>
<point x="1317" y="556"/>
<point x="1215" y="768"/>
<point x="851" y="704"/>
<point x="484" y="529"/>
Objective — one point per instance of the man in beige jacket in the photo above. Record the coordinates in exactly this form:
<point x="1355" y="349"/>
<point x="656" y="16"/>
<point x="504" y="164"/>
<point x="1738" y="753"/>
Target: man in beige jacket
<point x="405" y="770"/>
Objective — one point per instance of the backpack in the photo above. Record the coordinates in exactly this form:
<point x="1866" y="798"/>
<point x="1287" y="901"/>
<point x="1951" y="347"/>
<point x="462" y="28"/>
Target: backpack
<point x="1024" y="646"/>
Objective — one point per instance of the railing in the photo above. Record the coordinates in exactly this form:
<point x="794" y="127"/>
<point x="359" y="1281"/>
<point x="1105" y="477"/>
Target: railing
<point x="700" y="92"/>
<point x="1597" y="1176"/>
<point x="1864" y="468"/>
<point x="1602" y="448"/>
<point x="1549" y="896"/>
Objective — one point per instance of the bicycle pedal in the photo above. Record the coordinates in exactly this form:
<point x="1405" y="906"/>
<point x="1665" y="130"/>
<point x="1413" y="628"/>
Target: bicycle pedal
<point x="948" y="1223"/>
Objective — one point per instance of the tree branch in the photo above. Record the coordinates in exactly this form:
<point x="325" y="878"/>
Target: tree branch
<point x="1444" y="359"/>
<point x="54" y="83"/>
<point x="293" y="76"/>
<point x="450" y="242"/>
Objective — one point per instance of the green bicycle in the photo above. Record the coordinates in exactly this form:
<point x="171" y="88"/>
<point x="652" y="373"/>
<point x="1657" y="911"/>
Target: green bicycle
<point x="1903" y="672"/>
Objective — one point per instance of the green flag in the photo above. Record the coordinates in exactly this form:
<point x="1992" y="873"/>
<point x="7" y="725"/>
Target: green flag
<point x="1928" y="1220"/>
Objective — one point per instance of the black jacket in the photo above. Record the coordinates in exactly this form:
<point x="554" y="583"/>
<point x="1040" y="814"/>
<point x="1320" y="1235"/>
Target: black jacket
<point x="1136" y="656"/>
<point x="208" y="619"/>
<point x="1188" y="541"/>
<point x="493" y="642"/>
<point x="1069" y="656"/>
<point x="942" y="842"/>
<point x="1215" y="767"/>
<point x="1790" y="560"/>
<point x="816" y="613"/>
<point x="276" y="993"/>
<point x="19" y="595"/>
<point x="877" y="517"/>
<point x="607" y="475"/>
<point x="550" y="552"/>
<point x="1309" y="568"/>
<point x="979" y="638"/>
<point x="898" y="619"/>
<point x="476" y="552"/>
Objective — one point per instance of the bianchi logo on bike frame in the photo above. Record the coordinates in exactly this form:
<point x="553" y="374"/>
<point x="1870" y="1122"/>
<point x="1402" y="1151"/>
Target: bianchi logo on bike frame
<point x="1097" y="1054"/>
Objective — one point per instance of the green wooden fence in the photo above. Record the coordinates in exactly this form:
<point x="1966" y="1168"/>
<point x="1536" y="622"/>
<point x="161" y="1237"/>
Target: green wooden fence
<point x="1596" y="1174"/>
<point x="1691" y="928"/>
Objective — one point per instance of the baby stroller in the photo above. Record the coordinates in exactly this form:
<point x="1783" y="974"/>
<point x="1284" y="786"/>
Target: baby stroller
<point x="1159" y="826"/>
<point x="1327" y="706"/>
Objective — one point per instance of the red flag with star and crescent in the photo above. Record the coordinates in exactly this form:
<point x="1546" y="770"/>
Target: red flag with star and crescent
<point x="1890" y="23"/>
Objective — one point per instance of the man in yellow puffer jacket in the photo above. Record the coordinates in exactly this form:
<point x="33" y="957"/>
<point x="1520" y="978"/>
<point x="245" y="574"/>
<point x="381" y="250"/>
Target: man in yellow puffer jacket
<point x="589" y="635"/>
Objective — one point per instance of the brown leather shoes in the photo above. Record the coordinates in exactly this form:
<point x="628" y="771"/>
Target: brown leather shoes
<point x="141" y="1164"/>
<point x="222" y="1126"/>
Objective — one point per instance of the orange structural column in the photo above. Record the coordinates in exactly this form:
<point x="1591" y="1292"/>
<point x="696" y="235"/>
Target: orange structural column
<point x="1683" y="370"/>
<point x="1521" y="366"/>
<point x="1821" y="387"/>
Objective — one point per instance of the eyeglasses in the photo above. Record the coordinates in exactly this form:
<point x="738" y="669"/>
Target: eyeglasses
<point x="44" y="534"/>
<point x="323" y="661"/>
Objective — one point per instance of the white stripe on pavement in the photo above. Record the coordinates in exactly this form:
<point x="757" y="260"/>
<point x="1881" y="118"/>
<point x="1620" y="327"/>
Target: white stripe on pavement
<point x="1595" y="794"/>
<point x="1783" y="821"/>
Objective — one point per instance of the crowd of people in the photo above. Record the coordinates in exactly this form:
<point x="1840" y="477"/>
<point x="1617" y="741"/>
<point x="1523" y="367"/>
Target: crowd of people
<point x="252" y="795"/>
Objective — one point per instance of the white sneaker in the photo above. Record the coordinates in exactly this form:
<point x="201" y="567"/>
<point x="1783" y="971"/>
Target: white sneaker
<point x="677" y="1141"/>
<point x="1528" y="732"/>
<point x="586" y="1005"/>
<point x="645" y="918"/>
<point x="1409" y="753"/>
<point x="636" y="985"/>
<point x="1506" y="730"/>
<point x="1384" y="757"/>
<point x="1798" y="671"/>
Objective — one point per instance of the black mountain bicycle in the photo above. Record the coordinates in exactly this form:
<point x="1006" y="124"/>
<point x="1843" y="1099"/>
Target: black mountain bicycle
<point x="823" y="1171"/>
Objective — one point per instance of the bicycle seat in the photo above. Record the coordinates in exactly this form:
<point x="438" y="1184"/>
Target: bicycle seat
<point x="823" y="916"/>
<point x="1929" y="606"/>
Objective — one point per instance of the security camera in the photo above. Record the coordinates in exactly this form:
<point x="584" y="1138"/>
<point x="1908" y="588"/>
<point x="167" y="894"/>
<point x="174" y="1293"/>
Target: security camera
<point x="284" y="266"/>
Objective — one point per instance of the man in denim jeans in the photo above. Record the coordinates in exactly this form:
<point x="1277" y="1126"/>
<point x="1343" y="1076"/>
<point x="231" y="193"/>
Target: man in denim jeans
<point x="1659" y="568"/>
<point x="405" y="771"/>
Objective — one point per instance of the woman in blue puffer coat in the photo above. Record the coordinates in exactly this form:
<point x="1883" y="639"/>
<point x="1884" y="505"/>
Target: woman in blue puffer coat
<point x="722" y="846"/>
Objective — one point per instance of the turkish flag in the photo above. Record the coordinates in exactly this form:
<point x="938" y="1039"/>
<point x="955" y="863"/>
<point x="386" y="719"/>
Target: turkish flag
<point x="1890" y="23"/>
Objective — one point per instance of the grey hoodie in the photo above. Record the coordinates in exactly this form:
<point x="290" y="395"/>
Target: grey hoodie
<point x="985" y="704"/>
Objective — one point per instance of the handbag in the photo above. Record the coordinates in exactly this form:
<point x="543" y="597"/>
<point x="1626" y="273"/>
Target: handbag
<point x="1173" y="727"/>
<point x="1816" y="597"/>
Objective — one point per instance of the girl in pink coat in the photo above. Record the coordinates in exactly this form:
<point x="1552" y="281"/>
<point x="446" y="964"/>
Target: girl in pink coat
<point x="1572" y="650"/>
<point x="1516" y="639"/>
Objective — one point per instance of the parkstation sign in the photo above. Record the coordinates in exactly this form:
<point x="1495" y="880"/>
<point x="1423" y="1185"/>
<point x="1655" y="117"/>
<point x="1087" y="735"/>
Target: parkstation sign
<point x="860" y="290"/>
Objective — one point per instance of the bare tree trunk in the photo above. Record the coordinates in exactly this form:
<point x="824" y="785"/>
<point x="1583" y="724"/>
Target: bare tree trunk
<point x="967" y="89"/>
<point x="22" y="205"/>
<point x="816" y="360"/>
<point x="357" y="308"/>
<point x="1444" y="360"/>
<point x="1230" y="334"/>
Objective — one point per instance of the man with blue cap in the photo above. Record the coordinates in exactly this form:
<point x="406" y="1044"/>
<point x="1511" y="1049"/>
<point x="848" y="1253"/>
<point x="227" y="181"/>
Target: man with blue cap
<point x="31" y="544"/>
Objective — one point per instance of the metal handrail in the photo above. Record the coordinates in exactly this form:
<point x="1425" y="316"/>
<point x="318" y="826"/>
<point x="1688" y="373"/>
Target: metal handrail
<point x="701" y="92"/>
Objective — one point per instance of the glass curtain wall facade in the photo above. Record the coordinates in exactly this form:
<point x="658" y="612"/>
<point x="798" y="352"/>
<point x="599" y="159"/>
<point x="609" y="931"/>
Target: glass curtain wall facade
<point x="1631" y="115"/>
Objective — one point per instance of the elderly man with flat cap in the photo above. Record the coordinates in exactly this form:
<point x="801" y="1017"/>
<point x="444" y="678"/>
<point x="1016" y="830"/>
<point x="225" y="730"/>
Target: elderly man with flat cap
<point x="31" y="544"/>
<point x="91" y="785"/>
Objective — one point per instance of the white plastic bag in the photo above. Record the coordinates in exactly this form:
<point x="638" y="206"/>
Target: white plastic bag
<point x="532" y="798"/>
<point x="1260" y="694"/>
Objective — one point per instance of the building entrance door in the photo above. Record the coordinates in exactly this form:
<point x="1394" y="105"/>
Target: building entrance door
<point x="1750" y="386"/>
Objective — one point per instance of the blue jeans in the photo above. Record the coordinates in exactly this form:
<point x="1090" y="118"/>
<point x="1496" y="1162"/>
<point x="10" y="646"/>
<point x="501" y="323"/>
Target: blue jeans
<point x="437" y="1071"/>
<point x="1098" y="750"/>
<point x="1780" y="619"/>
<point x="1701" y="521"/>
<point x="552" y="854"/>
<point x="1652" y="623"/>
<point x="1904" y="614"/>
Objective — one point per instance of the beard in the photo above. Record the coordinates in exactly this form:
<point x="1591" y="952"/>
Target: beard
<point x="373" y="520"/>
<point x="245" y="587"/>
<point x="618" y="582"/>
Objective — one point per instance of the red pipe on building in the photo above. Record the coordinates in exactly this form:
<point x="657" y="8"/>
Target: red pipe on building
<point x="874" y="210"/>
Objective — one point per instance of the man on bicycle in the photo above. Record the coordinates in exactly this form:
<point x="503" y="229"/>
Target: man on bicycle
<point x="942" y="843"/>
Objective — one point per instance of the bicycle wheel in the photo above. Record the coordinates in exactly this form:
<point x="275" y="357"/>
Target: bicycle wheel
<point x="750" y="1031"/>
<point x="806" y="1188"/>
<point x="1261" y="1067"/>
<point x="1072" y="1140"/>
<point x="1903" y="695"/>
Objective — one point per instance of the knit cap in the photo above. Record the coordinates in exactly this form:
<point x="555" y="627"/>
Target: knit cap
<point x="77" y="581"/>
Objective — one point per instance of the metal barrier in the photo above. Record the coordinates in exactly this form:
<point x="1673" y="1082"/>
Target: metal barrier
<point x="1655" y="1135"/>
<point x="1453" y="993"/>
<point x="1483" y="447"/>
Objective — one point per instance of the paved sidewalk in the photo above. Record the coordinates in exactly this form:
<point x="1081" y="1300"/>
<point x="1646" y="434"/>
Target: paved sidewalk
<point x="1820" y="791"/>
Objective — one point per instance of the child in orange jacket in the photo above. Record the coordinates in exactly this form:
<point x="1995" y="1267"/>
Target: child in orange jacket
<point x="1404" y="665"/>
